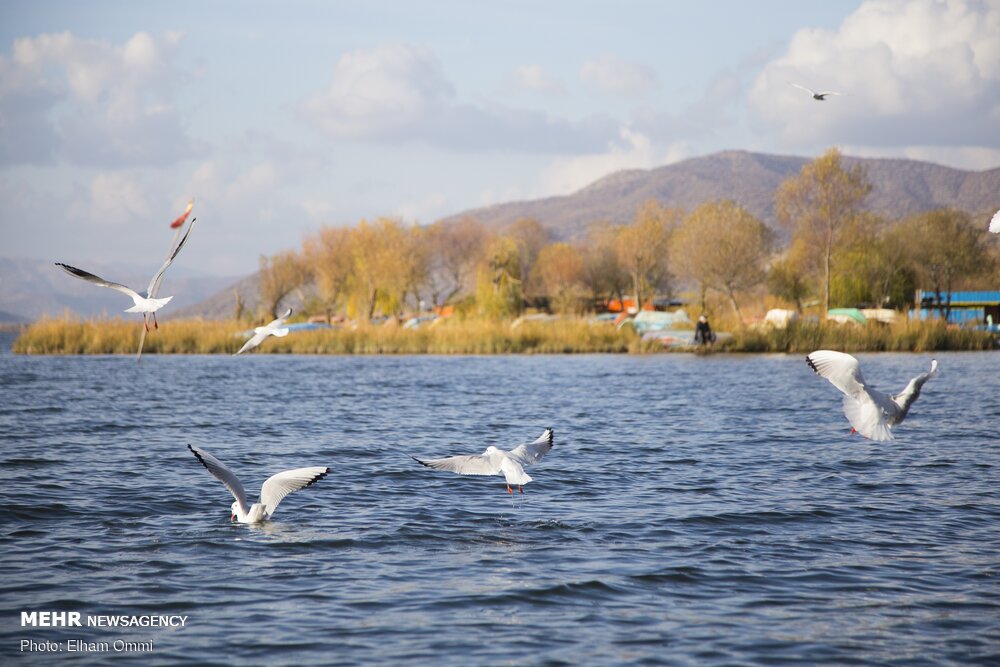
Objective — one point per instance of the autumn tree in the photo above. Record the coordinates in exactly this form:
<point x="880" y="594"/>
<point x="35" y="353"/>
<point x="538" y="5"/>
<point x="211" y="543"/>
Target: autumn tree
<point x="498" y="288"/>
<point x="946" y="248"/>
<point x="559" y="267"/>
<point x="643" y="250"/>
<point x="603" y="274"/>
<point x="724" y="247"/>
<point x="817" y="205"/>
<point x="329" y="257"/>
<point x="788" y="277"/>
<point x="280" y="274"/>
<point x="530" y="236"/>
<point x="454" y="250"/>
<point x="380" y="275"/>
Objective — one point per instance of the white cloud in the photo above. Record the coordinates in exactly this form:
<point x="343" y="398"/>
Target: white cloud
<point x="611" y="74"/>
<point x="632" y="150"/>
<point x="535" y="79"/>
<point x="379" y="91"/>
<point x="913" y="72"/>
<point x="90" y="102"/>
<point x="399" y="93"/>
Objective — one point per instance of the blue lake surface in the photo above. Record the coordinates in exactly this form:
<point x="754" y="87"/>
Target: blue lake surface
<point x="693" y="511"/>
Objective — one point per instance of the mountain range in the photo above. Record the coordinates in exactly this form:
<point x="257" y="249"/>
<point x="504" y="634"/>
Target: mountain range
<point x="29" y="288"/>
<point x="900" y="188"/>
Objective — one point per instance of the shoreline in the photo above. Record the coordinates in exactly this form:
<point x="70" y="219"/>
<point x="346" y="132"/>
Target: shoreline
<point x="66" y="336"/>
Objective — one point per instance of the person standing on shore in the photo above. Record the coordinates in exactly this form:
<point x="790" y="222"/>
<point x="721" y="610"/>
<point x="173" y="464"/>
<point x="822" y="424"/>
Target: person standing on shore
<point x="703" y="334"/>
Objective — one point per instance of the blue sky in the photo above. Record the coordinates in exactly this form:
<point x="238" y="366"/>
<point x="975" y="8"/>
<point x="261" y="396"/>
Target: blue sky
<point x="282" y="117"/>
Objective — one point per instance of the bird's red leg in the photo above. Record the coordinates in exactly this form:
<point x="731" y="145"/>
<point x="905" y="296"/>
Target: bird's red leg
<point x="155" y="324"/>
<point x="853" y="431"/>
<point x="519" y="488"/>
<point x="145" y="322"/>
<point x="510" y="490"/>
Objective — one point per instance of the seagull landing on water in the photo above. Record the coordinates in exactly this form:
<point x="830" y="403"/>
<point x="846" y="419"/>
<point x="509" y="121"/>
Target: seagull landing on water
<point x="497" y="461"/>
<point x="816" y="96"/>
<point x="145" y="302"/>
<point x="273" y="328"/>
<point x="271" y="492"/>
<point x="871" y="412"/>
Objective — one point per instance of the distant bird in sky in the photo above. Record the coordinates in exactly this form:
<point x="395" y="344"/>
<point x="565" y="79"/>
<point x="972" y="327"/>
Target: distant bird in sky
<point x="176" y="225"/>
<point x="272" y="491"/>
<point x="995" y="223"/>
<point x="496" y="461"/>
<point x="145" y="302"/>
<point x="816" y="96"/>
<point x="871" y="412"/>
<point x="273" y="328"/>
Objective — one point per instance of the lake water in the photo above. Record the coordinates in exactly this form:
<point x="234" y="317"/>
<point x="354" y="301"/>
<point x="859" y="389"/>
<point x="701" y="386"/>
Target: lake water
<point x="693" y="511"/>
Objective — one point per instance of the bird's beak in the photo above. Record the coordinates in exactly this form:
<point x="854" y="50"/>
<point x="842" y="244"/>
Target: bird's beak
<point x="232" y="518"/>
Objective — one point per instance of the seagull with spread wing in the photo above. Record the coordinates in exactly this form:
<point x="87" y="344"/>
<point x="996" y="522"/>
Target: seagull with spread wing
<point x="275" y="327"/>
<point x="816" y="96"/>
<point x="272" y="491"/>
<point x="176" y="224"/>
<point x="871" y="412"/>
<point x="497" y="461"/>
<point x="145" y="302"/>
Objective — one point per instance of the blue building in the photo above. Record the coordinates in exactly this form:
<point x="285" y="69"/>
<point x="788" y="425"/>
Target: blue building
<point x="966" y="307"/>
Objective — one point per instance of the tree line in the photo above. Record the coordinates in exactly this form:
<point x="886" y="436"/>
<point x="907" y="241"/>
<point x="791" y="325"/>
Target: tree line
<point x="828" y="251"/>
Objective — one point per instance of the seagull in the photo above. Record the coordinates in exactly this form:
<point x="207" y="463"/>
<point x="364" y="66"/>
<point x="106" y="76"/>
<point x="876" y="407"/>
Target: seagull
<point x="145" y="303"/>
<point x="176" y="225"/>
<point x="871" y="412"/>
<point x="495" y="461"/>
<point x="816" y="96"/>
<point x="995" y="223"/>
<point x="272" y="491"/>
<point x="273" y="328"/>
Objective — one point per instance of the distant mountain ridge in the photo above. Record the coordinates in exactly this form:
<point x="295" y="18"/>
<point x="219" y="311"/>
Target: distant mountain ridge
<point x="900" y="188"/>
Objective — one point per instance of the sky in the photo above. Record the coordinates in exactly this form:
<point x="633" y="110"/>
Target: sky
<point x="282" y="117"/>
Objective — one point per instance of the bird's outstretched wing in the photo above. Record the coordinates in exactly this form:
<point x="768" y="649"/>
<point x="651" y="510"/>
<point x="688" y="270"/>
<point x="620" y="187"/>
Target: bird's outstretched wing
<point x="97" y="280"/>
<point x="534" y="451"/>
<point x="280" y="485"/>
<point x="223" y="474"/>
<point x="808" y="90"/>
<point x="154" y="284"/>
<point x="464" y="465"/>
<point x="840" y="369"/>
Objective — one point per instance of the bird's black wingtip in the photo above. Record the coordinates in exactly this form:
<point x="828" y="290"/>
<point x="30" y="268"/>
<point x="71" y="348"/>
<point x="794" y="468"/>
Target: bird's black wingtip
<point x="423" y="463"/>
<point x="812" y="364"/>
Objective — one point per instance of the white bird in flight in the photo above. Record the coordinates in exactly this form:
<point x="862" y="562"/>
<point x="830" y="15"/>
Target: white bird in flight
<point x="176" y="225"/>
<point x="816" y="96"/>
<point x="496" y="461"/>
<point x="273" y="328"/>
<point x="995" y="223"/>
<point x="272" y="491"/>
<point x="872" y="413"/>
<point x="145" y="302"/>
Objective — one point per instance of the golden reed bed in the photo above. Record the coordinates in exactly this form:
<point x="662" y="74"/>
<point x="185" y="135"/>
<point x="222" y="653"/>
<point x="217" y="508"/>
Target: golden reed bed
<point x="67" y="335"/>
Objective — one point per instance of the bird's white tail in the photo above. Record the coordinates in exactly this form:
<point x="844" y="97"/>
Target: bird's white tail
<point x="149" y="305"/>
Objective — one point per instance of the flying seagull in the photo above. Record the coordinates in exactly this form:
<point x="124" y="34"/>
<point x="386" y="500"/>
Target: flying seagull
<point x="871" y="412"/>
<point x="995" y="223"/>
<point x="176" y="225"/>
<point x="816" y="96"/>
<point x="273" y="328"/>
<point x="272" y="491"/>
<point x="496" y="461"/>
<point x="145" y="302"/>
